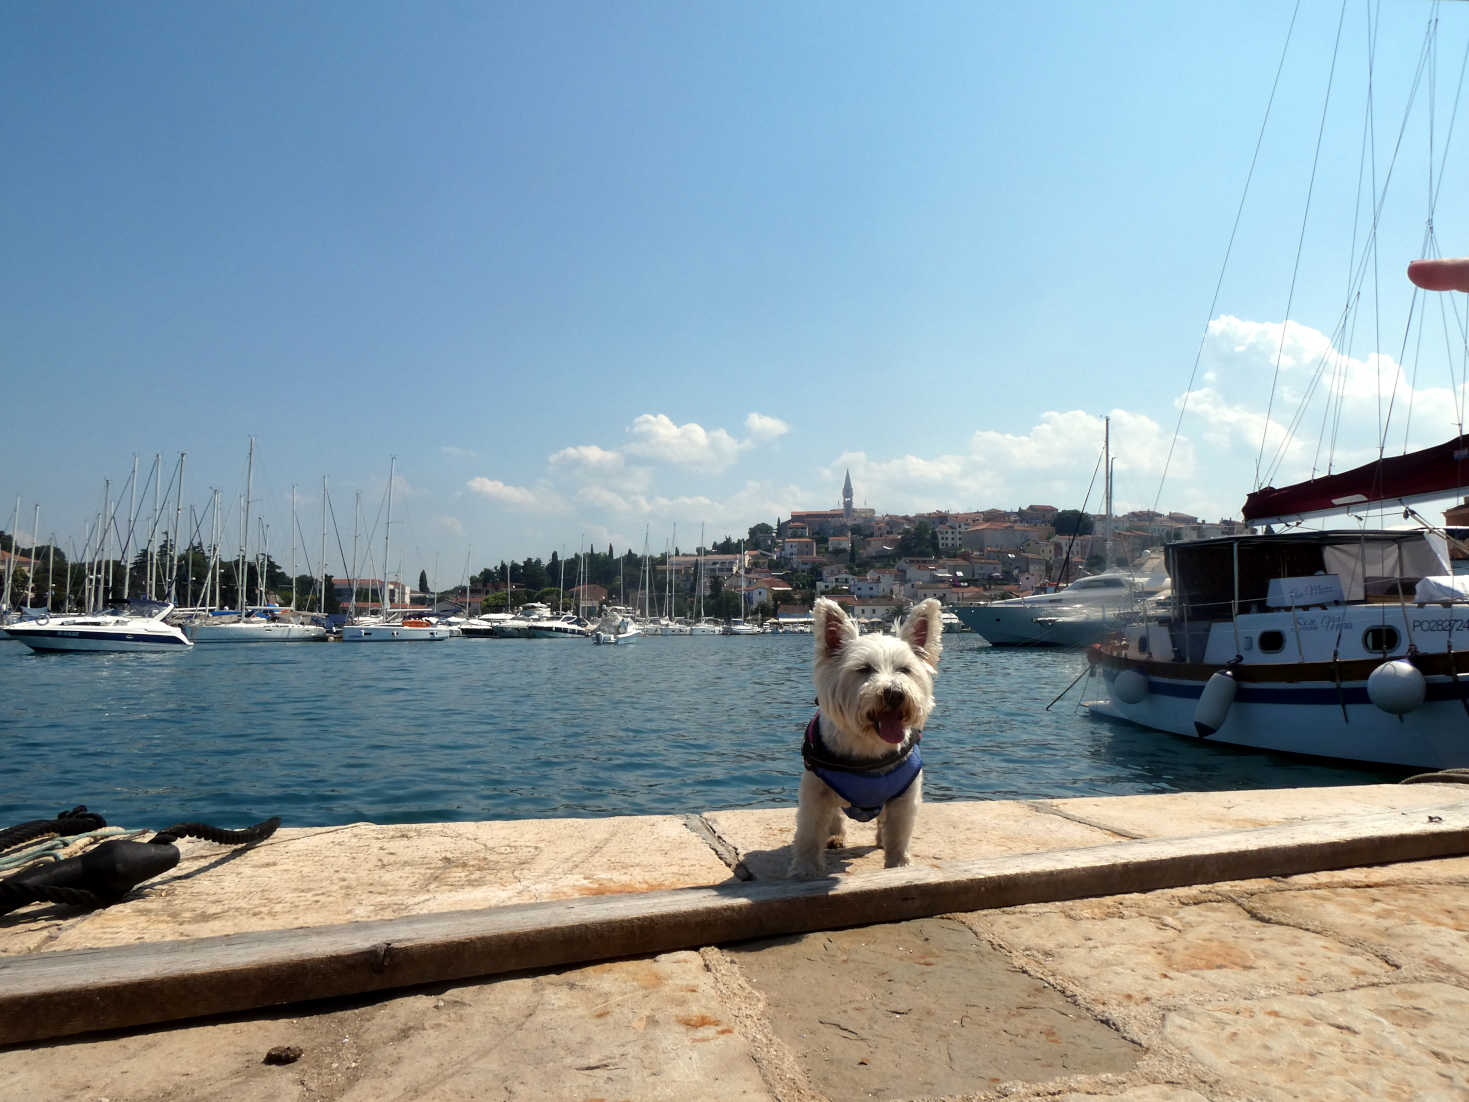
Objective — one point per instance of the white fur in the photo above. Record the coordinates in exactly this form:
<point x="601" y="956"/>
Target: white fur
<point x="858" y="677"/>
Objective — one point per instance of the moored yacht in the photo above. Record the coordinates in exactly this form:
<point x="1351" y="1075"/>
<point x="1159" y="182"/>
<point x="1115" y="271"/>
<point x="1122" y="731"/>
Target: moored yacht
<point x="397" y="626"/>
<point x="141" y="627"/>
<point x="271" y="625"/>
<point x="1339" y="644"/>
<point x="1075" y="616"/>
<point x="565" y="626"/>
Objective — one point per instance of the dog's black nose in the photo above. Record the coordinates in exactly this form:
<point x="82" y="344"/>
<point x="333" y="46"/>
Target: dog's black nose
<point x="892" y="698"/>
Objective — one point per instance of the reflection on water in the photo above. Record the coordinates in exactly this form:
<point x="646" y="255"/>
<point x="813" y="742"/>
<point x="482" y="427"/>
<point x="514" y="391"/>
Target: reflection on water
<point x="491" y="729"/>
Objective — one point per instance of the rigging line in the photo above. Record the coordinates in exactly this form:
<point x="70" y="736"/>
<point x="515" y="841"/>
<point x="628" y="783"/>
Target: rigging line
<point x="1229" y="248"/>
<point x="1437" y="190"/>
<point x="1301" y="239"/>
<point x="1423" y="59"/>
<point x="1076" y="529"/>
<point x="341" y="551"/>
<point x="1326" y="358"/>
<point x="1333" y="387"/>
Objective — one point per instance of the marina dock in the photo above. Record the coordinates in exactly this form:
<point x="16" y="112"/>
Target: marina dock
<point x="1271" y="944"/>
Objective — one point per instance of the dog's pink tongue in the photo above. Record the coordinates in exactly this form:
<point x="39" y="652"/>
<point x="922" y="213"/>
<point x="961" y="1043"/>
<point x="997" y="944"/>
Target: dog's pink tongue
<point x="890" y="725"/>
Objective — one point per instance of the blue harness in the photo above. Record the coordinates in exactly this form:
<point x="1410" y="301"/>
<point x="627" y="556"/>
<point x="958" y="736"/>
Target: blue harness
<point x="865" y="785"/>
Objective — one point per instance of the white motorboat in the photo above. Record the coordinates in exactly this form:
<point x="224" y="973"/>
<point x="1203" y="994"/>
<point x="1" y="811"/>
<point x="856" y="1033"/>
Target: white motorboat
<point x="706" y="626"/>
<point x="483" y="626"/>
<point x="567" y="626"/>
<point x="257" y="626"/>
<point x="741" y="627"/>
<point x="396" y="627"/>
<point x="616" y="629"/>
<point x="1336" y="644"/>
<point x="141" y="627"/>
<point x="1075" y="616"/>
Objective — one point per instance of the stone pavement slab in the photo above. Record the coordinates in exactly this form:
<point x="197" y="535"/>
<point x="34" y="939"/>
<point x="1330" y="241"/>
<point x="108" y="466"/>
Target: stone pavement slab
<point x="1324" y="986"/>
<point x="946" y="832"/>
<point x="918" y="1009"/>
<point x="655" y="1029"/>
<point x="319" y="876"/>
<point x="1402" y="1041"/>
<point x="1182" y="813"/>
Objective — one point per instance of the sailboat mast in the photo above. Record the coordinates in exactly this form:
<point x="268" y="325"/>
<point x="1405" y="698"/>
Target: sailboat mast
<point x="1107" y="522"/>
<point x="293" y="547"/>
<point x="356" y="517"/>
<point x="31" y="573"/>
<point x="153" y="525"/>
<point x="178" y="509"/>
<point x="322" y="559"/>
<point x="10" y="562"/>
<point x="387" y="526"/>
<point x="245" y="527"/>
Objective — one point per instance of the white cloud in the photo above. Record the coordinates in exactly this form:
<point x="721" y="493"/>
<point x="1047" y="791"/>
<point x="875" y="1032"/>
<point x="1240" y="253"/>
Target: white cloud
<point x="450" y="523"/>
<point x="762" y="428"/>
<point x="689" y="445"/>
<point x="587" y="457"/>
<point x="498" y="491"/>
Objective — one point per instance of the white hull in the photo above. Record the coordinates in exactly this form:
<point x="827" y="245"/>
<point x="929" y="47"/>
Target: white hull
<point x="558" y="631"/>
<point x="1036" y="625"/>
<point x="1311" y="664"/>
<point x="255" y="632"/>
<point x="99" y="633"/>
<point x="1076" y="616"/>
<point x="392" y="633"/>
<point x="1313" y="718"/>
<point x="610" y="639"/>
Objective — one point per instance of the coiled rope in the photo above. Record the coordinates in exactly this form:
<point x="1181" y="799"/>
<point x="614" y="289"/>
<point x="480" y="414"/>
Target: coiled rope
<point x="105" y="872"/>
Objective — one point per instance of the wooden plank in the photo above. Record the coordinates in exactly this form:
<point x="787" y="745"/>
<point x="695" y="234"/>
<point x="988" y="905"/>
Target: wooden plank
<point x="47" y="995"/>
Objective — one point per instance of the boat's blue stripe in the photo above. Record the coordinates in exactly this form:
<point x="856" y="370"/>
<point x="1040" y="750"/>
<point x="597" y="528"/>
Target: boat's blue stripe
<point x="1257" y="694"/>
<point x="109" y="636"/>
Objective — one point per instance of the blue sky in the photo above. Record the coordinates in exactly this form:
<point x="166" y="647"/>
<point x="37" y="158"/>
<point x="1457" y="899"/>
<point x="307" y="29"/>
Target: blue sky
<point x="590" y="270"/>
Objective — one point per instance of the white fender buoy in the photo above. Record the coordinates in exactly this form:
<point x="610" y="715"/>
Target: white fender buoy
<point x="1397" y="687"/>
<point x="1130" y="687"/>
<point x="1214" y="702"/>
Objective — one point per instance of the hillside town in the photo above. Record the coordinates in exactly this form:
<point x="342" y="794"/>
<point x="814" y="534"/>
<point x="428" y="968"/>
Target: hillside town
<point x="874" y="564"/>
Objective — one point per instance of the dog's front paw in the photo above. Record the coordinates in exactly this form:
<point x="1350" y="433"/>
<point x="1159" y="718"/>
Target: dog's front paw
<point x="836" y="841"/>
<point x="895" y="860"/>
<point x="806" y="870"/>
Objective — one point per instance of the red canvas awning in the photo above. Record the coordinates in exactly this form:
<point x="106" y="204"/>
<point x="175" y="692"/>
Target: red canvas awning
<point x="1433" y="472"/>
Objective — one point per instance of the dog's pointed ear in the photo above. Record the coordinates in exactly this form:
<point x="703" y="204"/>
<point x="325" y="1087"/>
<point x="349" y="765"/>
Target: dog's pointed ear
<point x="923" y="630"/>
<point x="831" y="627"/>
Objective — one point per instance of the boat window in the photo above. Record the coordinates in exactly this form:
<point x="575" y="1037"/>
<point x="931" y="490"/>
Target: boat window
<point x="1271" y="642"/>
<point x="1099" y="583"/>
<point x="1380" y="640"/>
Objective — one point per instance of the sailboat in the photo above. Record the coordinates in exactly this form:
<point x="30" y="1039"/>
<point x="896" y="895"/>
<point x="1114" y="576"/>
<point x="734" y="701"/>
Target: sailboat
<point x="738" y="625"/>
<point x="1341" y="642"/>
<point x="704" y="625"/>
<point x="394" y="625"/>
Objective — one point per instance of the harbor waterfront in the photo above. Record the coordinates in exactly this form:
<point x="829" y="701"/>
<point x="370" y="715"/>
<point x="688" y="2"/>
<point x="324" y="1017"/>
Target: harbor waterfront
<point x="476" y="730"/>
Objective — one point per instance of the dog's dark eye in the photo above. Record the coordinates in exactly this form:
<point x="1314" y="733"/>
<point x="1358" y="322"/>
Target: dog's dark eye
<point x="906" y="671"/>
<point x="866" y="668"/>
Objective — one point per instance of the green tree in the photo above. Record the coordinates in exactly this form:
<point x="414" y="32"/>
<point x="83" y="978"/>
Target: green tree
<point x="1073" y="522"/>
<point x="423" y="581"/>
<point x="920" y="541"/>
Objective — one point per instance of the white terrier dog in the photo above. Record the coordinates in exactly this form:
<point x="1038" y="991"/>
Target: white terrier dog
<point x="875" y="693"/>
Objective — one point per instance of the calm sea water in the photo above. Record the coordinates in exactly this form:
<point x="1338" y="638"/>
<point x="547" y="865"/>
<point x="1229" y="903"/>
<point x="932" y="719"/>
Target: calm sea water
<point x="324" y="734"/>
